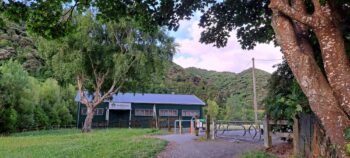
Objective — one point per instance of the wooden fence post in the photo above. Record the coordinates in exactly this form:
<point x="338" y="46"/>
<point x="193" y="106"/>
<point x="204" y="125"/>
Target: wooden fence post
<point x="207" y="132"/>
<point x="267" y="136"/>
<point x="214" y="130"/>
<point x="296" y="136"/>
<point x="180" y="126"/>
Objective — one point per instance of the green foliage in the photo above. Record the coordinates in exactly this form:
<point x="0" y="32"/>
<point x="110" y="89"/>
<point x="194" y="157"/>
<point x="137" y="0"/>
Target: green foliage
<point x="40" y="117"/>
<point x="27" y="103"/>
<point x="120" y="51"/>
<point x="347" y="133"/>
<point x="237" y="109"/>
<point x="215" y="86"/>
<point x="16" y="44"/>
<point x="257" y="154"/>
<point x="285" y="98"/>
<point x="348" y="149"/>
<point x="8" y="119"/>
<point x="119" y="143"/>
<point x="212" y="109"/>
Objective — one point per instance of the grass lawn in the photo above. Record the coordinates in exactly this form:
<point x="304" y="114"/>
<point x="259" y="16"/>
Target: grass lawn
<point x="123" y="143"/>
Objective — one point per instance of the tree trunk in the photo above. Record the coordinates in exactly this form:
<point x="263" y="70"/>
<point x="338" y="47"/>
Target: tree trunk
<point x="311" y="80"/>
<point x="336" y="62"/>
<point x="88" y="120"/>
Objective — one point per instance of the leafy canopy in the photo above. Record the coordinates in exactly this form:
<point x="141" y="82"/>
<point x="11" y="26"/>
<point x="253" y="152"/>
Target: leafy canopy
<point x="251" y="19"/>
<point x="119" y="51"/>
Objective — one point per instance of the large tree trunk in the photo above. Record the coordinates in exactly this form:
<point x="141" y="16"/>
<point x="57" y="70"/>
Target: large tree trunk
<point x="88" y="120"/>
<point x="336" y="62"/>
<point x="300" y="58"/>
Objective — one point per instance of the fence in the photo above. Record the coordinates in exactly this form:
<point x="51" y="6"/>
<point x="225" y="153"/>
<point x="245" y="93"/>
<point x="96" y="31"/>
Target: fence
<point x="312" y="140"/>
<point x="136" y="123"/>
<point x="237" y="129"/>
<point x="307" y="134"/>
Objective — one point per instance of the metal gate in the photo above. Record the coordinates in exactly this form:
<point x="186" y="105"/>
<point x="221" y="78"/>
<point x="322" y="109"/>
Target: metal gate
<point x="242" y="130"/>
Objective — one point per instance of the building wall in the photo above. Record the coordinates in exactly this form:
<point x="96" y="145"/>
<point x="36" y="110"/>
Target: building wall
<point x="96" y="119"/>
<point x="142" y="121"/>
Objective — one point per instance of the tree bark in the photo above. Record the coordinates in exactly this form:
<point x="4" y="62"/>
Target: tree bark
<point x="312" y="82"/>
<point x="325" y="25"/>
<point x="336" y="62"/>
<point x="88" y="120"/>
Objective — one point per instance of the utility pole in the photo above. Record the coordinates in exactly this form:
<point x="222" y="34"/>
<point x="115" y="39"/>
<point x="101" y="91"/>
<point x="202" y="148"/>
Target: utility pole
<point x="254" y="95"/>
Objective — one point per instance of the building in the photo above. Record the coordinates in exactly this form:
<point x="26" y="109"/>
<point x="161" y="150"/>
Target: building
<point x="143" y="110"/>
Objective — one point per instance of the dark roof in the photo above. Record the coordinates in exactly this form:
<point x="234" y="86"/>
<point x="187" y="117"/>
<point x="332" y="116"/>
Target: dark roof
<point x="150" y="98"/>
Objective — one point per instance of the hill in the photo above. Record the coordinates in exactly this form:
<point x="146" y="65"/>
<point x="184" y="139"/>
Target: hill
<point x="218" y="86"/>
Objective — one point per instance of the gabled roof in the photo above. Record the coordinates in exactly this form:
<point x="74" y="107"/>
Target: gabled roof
<point x="149" y="98"/>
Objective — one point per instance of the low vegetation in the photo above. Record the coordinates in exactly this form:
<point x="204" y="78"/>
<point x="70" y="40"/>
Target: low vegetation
<point x="257" y="154"/>
<point x="72" y="143"/>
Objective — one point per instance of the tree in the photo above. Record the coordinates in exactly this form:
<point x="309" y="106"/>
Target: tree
<point x="238" y="109"/>
<point x="328" y="95"/>
<point x="106" y="58"/>
<point x="14" y="88"/>
<point x="212" y="109"/>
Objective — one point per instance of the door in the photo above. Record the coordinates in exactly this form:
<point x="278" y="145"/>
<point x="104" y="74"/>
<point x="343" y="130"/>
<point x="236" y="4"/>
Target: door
<point x="119" y="118"/>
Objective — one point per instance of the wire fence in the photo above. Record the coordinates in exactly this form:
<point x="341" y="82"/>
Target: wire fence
<point x="136" y="123"/>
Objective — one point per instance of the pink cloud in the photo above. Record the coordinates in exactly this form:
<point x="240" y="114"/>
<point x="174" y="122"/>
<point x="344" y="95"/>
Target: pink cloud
<point x="191" y="53"/>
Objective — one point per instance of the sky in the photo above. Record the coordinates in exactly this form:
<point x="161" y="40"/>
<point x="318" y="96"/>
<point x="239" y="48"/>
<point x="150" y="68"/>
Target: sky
<point x="192" y="53"/>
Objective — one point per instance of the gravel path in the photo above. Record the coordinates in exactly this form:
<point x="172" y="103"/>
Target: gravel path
<point x="186" y="146"/>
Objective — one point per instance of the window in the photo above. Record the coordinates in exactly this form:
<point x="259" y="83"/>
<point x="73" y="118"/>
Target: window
<point x="98" y="111"/>
<point x="190" y="113"/>
<point x="83" y="111"/>
<point x="167" y="112"/>
<point x="143" y="112"/>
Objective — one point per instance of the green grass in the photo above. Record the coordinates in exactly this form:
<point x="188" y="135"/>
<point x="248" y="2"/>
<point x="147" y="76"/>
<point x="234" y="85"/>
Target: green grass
<point x="257" y="154"/>
<point x="123" y="143"/>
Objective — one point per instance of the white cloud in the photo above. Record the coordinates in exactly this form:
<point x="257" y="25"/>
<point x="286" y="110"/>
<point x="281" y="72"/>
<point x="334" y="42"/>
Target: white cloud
<point x="230" y="58"/>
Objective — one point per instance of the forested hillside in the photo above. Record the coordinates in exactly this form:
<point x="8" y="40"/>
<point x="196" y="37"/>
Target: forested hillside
<point x="29" y="97"/>
<point x="228" y="89"/>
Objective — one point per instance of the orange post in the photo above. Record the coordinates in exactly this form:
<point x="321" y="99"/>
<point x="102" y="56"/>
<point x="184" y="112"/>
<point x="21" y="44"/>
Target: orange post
<point x="191" y="125"/>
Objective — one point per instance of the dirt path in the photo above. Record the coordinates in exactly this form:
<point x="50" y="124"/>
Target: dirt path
<point x="186" y="146"/>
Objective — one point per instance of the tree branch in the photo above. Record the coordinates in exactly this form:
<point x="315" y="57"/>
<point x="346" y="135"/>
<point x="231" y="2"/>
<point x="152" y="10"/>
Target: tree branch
<point x="83" y="98"/>
<point x="317" y="6"/>
<point x="287" y="10"/>
<point x="112" y="90"/>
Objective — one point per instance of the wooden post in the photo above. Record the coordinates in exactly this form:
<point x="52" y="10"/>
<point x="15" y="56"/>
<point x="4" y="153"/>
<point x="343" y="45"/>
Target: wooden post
<point x="296" y="136"/>
<point x="207" y="132"/>
<point x="180" y="126"/>
<point x="214" y="130"/>
<point x="169" y="127"/>
<point x="267" y="136"/>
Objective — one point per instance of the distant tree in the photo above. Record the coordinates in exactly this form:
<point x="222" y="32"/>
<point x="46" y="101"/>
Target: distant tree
<point x="13" y="92"/>
<point x="212" y="109"/>
<point x="237" y="109"/>
<point x="106" y="58"/>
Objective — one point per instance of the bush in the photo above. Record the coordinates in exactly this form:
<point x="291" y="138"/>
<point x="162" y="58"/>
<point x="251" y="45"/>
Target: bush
<point x="8" y="120"/>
